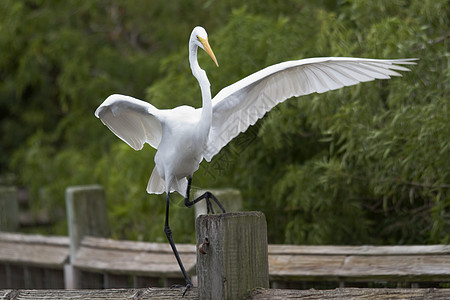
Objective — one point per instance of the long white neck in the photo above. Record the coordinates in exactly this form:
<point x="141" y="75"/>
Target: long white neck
<point x="206" y="116"/>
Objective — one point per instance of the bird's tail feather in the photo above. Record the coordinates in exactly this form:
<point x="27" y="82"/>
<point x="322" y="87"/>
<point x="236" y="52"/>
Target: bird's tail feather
<point x="180" y="186"/>
<point x="156" y="185"/>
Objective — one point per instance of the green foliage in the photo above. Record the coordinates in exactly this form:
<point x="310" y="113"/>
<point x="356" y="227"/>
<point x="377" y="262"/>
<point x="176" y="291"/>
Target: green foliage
<point x="365" y="164"/>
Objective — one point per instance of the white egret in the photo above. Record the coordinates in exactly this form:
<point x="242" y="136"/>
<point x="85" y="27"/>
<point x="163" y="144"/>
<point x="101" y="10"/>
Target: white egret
<point x="184" y="136"/>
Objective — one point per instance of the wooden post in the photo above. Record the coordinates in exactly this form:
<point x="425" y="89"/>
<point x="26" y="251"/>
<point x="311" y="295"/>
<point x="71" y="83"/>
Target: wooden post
<point x="86" y="216"/>
<point x="231" y="200"/>
<point x="9" y="209"/>
<point x="236" y="259"/>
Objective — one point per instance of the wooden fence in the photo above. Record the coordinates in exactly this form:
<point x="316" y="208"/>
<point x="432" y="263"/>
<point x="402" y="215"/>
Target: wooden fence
<point x="88" y="259"/>
<point x="33" y="261"/>
<point x="255" y="294"/>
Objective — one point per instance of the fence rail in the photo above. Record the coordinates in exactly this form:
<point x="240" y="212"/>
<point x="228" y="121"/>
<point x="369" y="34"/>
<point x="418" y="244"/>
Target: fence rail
<point x="115" y="264"/>
<point x="255" y="294"/>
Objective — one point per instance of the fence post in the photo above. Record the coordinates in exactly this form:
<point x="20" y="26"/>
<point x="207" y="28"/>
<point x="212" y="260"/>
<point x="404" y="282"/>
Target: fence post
<point x="9" y="209"/>
<point x="234" y="259"/>
<point x="231" y="199"/>
<point x="86" y="216"/>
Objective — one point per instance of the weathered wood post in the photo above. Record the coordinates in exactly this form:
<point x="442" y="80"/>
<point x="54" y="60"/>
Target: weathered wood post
<point x="9" y="209"/>
<point x="86" y="216"/>
<point x="232" y="254"/>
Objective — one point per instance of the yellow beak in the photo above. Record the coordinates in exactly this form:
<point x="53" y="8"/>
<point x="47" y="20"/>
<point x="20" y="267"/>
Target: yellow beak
<point x="208" y="49"/>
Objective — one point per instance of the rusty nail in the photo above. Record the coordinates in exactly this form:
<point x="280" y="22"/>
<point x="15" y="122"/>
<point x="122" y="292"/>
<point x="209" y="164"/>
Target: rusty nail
<point x="201" y="247"/>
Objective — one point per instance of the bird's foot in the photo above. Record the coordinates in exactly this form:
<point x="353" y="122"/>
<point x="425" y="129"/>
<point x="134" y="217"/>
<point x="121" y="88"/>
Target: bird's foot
<point x="186" y="287"/>
<point x="209" y="207"/>
<point x="208" y="196"/>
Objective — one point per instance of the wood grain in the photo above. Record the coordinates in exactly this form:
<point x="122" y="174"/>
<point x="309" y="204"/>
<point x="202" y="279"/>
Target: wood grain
<point x="124" y="257"/>
<point x="359" y="250"/>
<point x="236" y="258"/>
<point x="350" y="294"/>
<point x="365" y="263"/>
<point x="113" y="294"/>
<point x="34" y="250"/>
<point x="257" y="294"/>
<point x="286" y="262"/>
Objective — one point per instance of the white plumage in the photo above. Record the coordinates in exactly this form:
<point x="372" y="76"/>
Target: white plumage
<point x="184" y="136"/>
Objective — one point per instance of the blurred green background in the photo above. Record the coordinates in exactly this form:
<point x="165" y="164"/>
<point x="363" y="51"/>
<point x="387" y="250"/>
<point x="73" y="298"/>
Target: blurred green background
<point x="367" y="164"/>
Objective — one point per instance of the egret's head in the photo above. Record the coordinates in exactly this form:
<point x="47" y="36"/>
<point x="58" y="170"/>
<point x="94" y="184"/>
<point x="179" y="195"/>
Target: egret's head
<point x="200" y="38"/>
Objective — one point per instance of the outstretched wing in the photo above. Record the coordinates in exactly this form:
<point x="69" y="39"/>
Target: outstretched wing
<point x="133" y="121"/>
<point x="241" y="104"/>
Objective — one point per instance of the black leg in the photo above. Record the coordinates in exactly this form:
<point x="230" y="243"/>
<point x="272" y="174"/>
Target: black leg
<point x="168" y="232"/>
<point x="207" y="196"/>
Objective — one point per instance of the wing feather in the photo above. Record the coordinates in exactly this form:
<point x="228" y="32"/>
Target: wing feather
<point x="134" y="121"/>
<point x="241" y="104"/>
